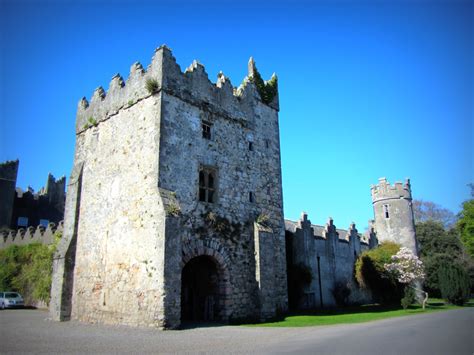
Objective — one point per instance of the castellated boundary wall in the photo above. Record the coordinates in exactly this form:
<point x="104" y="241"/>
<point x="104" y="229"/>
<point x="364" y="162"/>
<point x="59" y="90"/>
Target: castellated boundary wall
<point x="23" y="236"/>
<point x="133" y="217"/>
<point x="330" y="255"/>
<point x="21" y="209"/>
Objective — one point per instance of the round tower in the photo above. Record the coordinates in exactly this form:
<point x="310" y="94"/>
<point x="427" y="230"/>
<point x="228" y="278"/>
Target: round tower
<point x="393" y="213"/>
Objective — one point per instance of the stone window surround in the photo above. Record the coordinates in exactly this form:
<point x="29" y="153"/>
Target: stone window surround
<point x="204" y="189"/>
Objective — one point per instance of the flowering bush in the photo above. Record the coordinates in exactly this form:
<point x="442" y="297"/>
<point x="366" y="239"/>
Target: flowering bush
<point x="408" y="269"/>
<point x="406" y="266"/>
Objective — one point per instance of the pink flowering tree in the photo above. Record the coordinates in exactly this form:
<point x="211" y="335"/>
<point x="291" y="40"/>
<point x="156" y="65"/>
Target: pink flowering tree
<point x="408" y="269"/>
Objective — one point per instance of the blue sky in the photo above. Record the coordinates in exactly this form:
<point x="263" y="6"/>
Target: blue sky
<point x="367" y="88"/>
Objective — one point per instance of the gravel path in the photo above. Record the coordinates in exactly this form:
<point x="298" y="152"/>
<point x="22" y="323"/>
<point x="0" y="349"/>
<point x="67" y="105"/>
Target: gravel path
<point x="451" y="332"/>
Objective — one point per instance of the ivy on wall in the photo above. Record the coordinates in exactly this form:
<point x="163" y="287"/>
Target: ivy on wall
<point x="267" y="89"/>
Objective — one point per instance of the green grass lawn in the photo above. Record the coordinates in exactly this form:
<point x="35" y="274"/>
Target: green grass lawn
<point x="358" y="314"/>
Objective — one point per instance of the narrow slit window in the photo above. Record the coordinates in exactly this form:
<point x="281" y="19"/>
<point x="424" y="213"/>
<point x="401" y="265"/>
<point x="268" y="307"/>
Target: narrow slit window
<point x="206" y="130"/>
<point x="385" y="211"/>
<point x="251" y="146"/>
<point x="251" y="198"/>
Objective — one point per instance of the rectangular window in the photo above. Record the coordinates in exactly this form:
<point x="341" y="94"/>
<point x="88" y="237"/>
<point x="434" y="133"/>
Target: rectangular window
<point x="251" y="146"/>
<point x="44" y="222"/>
<point x="206" y="130"/>
<point x="22" y="222"/>
<point x="267" y="143"/>
<point x="207" y="185"/>
<point x="385" y="211"/>
<point x="251" y="198"/>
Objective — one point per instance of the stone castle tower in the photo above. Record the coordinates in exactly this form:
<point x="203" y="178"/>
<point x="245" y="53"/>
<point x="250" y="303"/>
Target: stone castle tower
<point x="393" y="213"/>
<point x="8" y="176"/>
<point x="174" y="209"/>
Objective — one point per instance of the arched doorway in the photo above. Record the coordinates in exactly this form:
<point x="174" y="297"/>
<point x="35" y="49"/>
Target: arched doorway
<point x="200" y="290"/>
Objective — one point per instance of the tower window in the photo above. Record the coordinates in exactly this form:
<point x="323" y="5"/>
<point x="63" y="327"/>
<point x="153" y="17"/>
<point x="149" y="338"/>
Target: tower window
<point x="251" y="197"/>
<point x="207" y="185"/>
<point x="206" y="129"/>
<point x="267" y="143"/>
<point x="385" y="211"/>
<point x="251" y="146"/>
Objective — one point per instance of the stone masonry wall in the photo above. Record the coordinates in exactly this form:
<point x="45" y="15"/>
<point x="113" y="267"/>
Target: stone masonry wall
<point x="330" y="255"/>
<point x="139" y="148"/>
<point x="119" y="259"/>
<point x="239" y="171"/>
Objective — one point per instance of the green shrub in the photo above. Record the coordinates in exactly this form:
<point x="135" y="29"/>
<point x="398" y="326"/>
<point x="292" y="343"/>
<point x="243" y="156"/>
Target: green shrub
<point x="433" y="264"/>
<point x="151" y="85"/>
<point x="172" y="210"/>
<point x="27" y="269"/>
<point x="408" y="297"/>
<point x="454" y="283"/>
<point x="262" y="219"/>
<point x="371" y="274"/>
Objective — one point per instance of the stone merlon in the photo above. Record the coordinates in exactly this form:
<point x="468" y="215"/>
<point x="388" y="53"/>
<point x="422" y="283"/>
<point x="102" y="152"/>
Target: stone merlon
<point x="166" y="73"/>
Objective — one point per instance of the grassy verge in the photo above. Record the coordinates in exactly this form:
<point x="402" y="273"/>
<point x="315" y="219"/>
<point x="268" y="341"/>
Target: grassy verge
<point x="357" y="314"/>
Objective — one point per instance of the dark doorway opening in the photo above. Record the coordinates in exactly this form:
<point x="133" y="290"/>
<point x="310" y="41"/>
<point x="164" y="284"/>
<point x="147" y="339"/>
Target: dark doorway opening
<point x="200" y="290"/>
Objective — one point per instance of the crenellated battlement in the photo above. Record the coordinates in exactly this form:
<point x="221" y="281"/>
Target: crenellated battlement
<point x="9" y="170"/>
<point x="329" y="230"/>
<point x="329" y="254"/>
<point x="384" y="190"/>
<point x="192" y="85"/>
<point x="23" y="236"/>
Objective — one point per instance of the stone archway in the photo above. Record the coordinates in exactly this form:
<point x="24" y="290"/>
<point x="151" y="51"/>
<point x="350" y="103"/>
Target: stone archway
<point x="200" y="290"/>
<point x="205" y="281"/>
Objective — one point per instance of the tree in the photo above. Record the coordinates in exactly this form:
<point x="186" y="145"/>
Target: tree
<point x="454" y="283"/>
<point x="429" y="211"/>
<point x="465" y="226"/>
<point x="409" y="271"/>
<point x="438" y="247"/>
<point x="434" y="239"/>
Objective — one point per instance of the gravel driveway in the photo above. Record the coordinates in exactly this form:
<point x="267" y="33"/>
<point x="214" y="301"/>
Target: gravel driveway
<point x="451" y="332"/>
